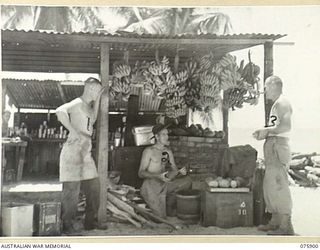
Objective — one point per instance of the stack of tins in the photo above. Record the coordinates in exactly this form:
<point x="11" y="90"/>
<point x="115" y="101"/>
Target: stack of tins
<point x="227" y="208"/>
<point x="188" y="206"/>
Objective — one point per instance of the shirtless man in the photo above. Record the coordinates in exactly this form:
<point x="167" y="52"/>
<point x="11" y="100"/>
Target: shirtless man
<point x="158" y="180"/>
<point x="77" y="167"/>
<point x="277" y="158"/>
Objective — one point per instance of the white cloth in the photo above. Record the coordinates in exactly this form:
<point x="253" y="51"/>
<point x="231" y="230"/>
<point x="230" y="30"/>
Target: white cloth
<point x="76" y="162"/>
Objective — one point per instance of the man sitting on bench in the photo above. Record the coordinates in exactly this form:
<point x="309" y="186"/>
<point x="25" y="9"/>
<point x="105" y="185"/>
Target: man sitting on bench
<point x="159" y="171"/>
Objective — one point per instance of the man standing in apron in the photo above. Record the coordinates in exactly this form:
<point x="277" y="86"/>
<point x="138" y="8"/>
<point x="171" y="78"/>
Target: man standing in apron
<point x="77" y="167"/>
<point x="277" y="158"/>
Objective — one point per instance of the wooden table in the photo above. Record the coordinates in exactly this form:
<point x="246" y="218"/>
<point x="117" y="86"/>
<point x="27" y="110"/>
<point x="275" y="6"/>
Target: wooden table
<point x="19" y="154"/>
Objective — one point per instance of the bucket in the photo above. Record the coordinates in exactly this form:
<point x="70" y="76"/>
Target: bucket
<point x="143" y="135"/>
<point x="171" y="205"/>
<point x="188" y="206"/>
<point x="17" y="219"/>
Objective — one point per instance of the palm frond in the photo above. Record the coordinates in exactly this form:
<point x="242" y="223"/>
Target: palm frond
<point x="212" y="23"/>
<point x="12" y="17"/>
<point x="154" y="25"/>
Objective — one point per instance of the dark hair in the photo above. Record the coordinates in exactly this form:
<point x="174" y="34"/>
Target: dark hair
<point x="92" y="80"/>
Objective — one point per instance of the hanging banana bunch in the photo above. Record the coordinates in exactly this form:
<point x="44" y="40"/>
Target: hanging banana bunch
<point x="251" y="72"/>
<point x="120" y="88"/>
<point x="192" y="84"/>
<point x="235" y="98"/>
<point x="206" y="63"/>
<point x="227" y="70"/>
<point x="155" y="78"/>
<point x="175" y="92"/>
<point x="210" y="97"/>
<point x="247" y="90"/>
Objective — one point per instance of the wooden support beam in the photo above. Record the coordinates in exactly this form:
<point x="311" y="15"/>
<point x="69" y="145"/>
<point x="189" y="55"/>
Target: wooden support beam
<point x="132" y="117"/>
<point x="157" y="56"/>
<point x="126" y="57"/>
<point x="4" y="92"/>
<point x="18" y="121"/>
<point x="176" y="61"/>
<point x="102" y="133"/>
<point x="225" y="119"/>
<point x="268" y="71"/>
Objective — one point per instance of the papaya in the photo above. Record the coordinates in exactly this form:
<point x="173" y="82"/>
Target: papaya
<point x="233" y="184"/>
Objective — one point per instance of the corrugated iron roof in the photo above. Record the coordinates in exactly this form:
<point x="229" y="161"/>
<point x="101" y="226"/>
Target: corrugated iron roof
<point x="43" y="51"/>
<point x="45" y="94"/>
<point x="161" y="36"/>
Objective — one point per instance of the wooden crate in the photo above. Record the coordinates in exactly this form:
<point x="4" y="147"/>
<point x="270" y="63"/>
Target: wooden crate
<point x="227" y="209"/>
<point x="47" y="220"/>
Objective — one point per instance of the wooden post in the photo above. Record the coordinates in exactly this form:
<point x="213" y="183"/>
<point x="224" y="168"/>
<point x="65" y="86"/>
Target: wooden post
<point x="126" y="57"/>
<point x="157" y="56"/>
<point x="18" y="121"/>
<point x="176" y="61"/>
<point x="268" y="71"/>
<point x="132" y="117"/>
<point x="102" y="133"/>
<point x="4" y="92"/>
<point x="225" y="119"/>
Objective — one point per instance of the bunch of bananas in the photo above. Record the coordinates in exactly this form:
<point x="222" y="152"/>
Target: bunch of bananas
<point x="192" y="84"/>
<point x="121" y="70"/>
<point x="120" y="88"/>
<point x="181" y="77"/>
<point x="250" y="72"/>
<point x="235" y="98"/>
<point x="210" y="91"/>
<point x="175" y="92"/>
<point x="156" y="78"/>
<point x="227" y="70"/>
<point x="207" y="62"/>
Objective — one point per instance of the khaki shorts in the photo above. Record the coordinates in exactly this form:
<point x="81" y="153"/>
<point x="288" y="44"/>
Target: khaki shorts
<point x="76" y="162"/>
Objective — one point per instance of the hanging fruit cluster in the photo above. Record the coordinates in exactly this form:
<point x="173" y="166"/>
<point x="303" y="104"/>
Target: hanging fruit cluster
<point x="248" y="86"/>
<point x="210" y="97"/>
<point x="155" y="78"/>
<point x="120" y="88"/>
<point x="175" y="93"/>
<point x="227" y="71"/>
<point x="192" y="84"/>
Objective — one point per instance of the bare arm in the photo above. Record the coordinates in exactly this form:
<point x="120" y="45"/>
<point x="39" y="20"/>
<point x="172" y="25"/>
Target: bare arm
<point x="63" y="117"/>
<point x="174" y="167"/>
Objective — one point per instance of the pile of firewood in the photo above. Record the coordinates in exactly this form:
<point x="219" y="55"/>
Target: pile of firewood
<point x="124" y="205"/>
<point x="305" y="169"/>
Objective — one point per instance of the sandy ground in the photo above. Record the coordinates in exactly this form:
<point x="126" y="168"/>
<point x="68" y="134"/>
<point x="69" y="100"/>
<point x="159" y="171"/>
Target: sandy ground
<point x="306" y="221"/>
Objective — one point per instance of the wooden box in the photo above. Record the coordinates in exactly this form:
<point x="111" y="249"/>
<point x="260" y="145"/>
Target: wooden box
<point x="47" y="220"/>
<point x="226" y="207"/>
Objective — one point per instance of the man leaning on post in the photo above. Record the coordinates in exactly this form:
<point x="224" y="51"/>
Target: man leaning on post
<point x="77" y="167"/>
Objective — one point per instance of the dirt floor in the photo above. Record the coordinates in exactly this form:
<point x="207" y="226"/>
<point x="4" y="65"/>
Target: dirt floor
<point x="306" y="221"/>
